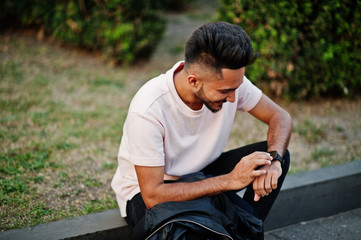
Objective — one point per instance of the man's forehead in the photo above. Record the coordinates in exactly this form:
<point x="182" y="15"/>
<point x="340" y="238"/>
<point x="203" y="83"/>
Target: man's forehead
<point x="228" y="80"/>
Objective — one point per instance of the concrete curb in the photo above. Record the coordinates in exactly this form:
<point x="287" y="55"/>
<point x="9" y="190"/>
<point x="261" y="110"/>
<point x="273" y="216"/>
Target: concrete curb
<point x="305" y="196"/>
<point x="315" y="194"/>
<point x="102" y="225"/>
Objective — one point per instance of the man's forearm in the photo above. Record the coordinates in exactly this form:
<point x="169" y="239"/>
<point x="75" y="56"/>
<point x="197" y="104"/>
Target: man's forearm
<point x="180" y="191"/>
<point x="279" y="123"/>
<point x="155" y="191"/>
<point x="279" y="132"/>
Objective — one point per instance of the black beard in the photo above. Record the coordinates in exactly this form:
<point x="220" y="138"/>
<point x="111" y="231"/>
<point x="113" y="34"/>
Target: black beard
<point x="200" y="95"/>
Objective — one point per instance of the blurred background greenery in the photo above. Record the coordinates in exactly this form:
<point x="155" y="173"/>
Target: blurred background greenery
<point x="307" y="48"/>
<point x="68" y="70"/>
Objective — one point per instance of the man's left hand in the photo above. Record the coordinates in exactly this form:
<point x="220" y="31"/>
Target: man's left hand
<point x="263" y="185"/>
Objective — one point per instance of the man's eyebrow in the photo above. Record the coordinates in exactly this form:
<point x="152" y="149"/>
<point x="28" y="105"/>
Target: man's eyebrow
<point x="230" y="89"/>
<point x="227" y="89"/>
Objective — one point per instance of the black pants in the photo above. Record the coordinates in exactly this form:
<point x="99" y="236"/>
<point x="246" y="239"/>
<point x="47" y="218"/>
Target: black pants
<point x="224" y="164"/>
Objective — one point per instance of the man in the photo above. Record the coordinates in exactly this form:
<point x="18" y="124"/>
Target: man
<point x="179" y="122"/>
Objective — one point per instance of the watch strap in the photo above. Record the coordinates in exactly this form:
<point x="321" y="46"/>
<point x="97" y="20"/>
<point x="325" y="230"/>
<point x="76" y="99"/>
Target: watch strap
<point x="276" y="156"/>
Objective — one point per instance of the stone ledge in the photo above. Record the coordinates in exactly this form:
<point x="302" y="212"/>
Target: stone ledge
<point x="315" y="194"/>
<point x="304" y="196"/>
<point x="108" y="224"/>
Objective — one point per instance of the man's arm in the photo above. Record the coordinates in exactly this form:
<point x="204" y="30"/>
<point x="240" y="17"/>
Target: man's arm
<point x="279" y="133"/>
<point x="154" y="190"/>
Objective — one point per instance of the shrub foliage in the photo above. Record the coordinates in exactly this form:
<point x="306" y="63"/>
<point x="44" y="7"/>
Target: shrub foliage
<point x="123" y="29"/>
<point x="307" y="48"/>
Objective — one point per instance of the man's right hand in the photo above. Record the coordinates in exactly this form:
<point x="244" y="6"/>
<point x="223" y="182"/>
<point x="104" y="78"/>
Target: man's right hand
<point x="246" y="171"/>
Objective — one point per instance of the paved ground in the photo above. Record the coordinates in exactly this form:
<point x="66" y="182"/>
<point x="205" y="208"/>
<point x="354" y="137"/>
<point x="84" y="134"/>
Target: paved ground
<point x="346" y="225"/>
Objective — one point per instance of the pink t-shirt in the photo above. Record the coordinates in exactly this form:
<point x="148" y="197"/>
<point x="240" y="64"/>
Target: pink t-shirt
<point x="161" y="130"/>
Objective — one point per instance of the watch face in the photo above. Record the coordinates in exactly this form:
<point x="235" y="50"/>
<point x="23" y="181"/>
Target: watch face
<point x="273" y="154"/>
<point x="276" y="156"/>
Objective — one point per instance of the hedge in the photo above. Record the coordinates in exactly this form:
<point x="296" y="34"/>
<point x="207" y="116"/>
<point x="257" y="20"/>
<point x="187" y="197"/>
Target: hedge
<point x="307" y="48"/>
<point x="124" y="30"/>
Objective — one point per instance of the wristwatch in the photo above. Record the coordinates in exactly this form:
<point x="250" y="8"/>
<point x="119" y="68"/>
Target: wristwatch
<point x="276" y="156"/>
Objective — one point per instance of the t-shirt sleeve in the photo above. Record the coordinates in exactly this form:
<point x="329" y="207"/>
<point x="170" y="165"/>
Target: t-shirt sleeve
<point x="144" y="140"/>
<point x="248" y="95"/>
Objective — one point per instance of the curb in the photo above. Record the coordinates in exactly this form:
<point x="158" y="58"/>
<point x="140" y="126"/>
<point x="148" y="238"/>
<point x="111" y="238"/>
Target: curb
<point x="103" y="225"/>
<point x="315" y="194"/>
<point x="304" y="196"/>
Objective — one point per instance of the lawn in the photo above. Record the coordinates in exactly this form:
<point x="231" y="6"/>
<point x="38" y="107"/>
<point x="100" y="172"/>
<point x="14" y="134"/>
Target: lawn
<point x="61" y="117"/>
<point x="60" y="126"/>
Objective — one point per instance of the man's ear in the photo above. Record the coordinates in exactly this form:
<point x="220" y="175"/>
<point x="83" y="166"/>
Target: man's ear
<point x="193" y="81"/>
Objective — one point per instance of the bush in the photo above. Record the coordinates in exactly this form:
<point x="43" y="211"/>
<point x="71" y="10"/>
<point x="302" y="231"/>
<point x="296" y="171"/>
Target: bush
<point x="307" y="48"/>
<point x="123" y="29"/>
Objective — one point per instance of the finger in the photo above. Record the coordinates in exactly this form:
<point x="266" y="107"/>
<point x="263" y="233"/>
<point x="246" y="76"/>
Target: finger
<point x="255" y="186"/>
<point x="261" y="153"/>
<point x="261" y="189"/>
<point x="261" y="162"/>
<point x="274" y="182"/>
<point x="268" y="184"/>
<point x="258" y="186"/>
<point x="258" y="173"/>
<point x="256" y="197"/>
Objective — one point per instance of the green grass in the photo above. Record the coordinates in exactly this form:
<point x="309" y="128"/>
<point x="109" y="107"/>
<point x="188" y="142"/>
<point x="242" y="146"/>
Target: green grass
<point x="310" y="131"/>
<point x="58" y="116"/>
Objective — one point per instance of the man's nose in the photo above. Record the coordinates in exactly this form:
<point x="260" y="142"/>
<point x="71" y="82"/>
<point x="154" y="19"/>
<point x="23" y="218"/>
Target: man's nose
<point x="231" y="97"/>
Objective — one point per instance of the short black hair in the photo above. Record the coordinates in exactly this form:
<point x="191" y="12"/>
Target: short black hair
<point x="219" y="45"/>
